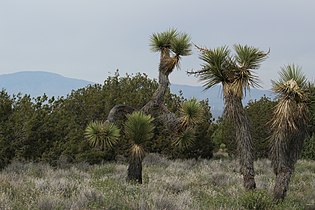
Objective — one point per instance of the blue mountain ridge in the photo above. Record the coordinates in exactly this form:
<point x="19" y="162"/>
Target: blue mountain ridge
<point x="36" y="83"/>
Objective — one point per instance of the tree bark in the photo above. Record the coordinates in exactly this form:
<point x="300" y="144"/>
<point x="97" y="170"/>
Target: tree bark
<point x="135" y="170"/>
<point x="282" y="184"/>
<point x="156" y="102"/>
<point x="119" y="112"/>
<point x="235" y="112"/>
<point x="155" y="106"/>
<point x="284" y="156"/>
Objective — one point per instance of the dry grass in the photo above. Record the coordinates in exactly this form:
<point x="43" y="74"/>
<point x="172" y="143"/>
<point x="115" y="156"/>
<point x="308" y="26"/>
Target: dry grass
<point x="179" y="184"/>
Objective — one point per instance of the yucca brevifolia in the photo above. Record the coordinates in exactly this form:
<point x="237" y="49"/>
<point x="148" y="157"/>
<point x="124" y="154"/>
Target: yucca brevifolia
<point x="289" y="125"/>
<point x="138" y="130"/>
<point x="102" y="134"/>
<point x="191" y="113"/>
<point x="236" y="74"/>
<point x="171" y="45"/>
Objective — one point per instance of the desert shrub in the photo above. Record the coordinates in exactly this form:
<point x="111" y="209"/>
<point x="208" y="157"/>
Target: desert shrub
<point x="259" y="113"/>
<point x="225" y="134"/>
<point x="55" y="126"/>
<point x="258" y="199"/>
<point x="180" y="184"/>
<point x="309" y="148"/>
<point x="156" y="159"/>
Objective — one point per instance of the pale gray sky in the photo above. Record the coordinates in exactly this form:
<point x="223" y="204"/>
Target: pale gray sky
<point x="90" y="39"/>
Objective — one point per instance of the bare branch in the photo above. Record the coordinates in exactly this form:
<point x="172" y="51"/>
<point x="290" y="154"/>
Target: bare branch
<point x="119" y="111"/>
<point x="202" y="49"/>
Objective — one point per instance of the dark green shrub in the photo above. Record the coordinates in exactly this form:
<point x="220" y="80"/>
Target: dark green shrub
<point x="309" y="148"/>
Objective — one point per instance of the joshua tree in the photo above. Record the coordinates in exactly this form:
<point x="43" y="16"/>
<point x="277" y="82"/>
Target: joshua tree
<point x="102" y="134"/>
<point x="289" y="125"/>
<point x="172" y="45"/>
<point x="138" y="130"/>
<point x="236" y="75"/>
<point x="191" y="113"/>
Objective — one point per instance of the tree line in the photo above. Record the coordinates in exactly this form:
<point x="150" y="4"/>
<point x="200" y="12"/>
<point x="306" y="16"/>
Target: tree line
<point x="47" y="129"/>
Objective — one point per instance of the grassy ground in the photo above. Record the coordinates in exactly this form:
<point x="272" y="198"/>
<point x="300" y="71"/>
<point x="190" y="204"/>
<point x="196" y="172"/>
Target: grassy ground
<point x="189" y="184"/>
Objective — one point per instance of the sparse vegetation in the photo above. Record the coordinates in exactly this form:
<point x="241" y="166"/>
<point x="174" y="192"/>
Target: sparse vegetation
<point x="167" y="184"/>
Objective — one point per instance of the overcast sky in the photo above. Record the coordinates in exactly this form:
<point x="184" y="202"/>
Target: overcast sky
<point x="90" y="39"/>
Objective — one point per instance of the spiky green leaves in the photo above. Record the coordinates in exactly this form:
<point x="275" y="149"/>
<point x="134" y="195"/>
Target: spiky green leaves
<point x="185" y="139"/>
<point x="233" y="71"/>
<point x="292" y="90"/>
<point x="215" y="67"/>
<point x="292" y="83"/>
<point x="181" y="45"/>
<point x="138" y="129"/>
<point x="172" y="46"/>
<point x="191" y="113"/>
<point x="159" y="41"/>
<point x="178" y="43"/>
<point x="249" y="57"/>
<point x="102" y="134"/>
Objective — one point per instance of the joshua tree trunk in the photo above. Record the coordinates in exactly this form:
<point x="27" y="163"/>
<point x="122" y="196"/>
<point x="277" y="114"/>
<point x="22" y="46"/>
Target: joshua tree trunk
<point x="282" y="184"/>
<point x="167" y="64"/>
<point x="156" y="102"/>
<point x="285" y="153"/>
<point x="235" y="112"/>
<point x="135" y="170"/>
<point x="155" y="106"/>
<point x="118" y="112"/>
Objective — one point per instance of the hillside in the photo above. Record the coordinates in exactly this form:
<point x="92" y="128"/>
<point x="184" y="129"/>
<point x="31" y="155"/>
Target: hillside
<point x="37" y="83"/>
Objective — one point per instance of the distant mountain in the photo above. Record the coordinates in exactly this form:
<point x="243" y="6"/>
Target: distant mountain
<point x="36" y="83"/>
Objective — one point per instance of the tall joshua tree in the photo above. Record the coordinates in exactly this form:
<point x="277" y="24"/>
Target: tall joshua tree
<point x="138" y="130"/>
<point x="172" y="45"/>
<point x="236" y="75"/>
<point x="288" y="125"/>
